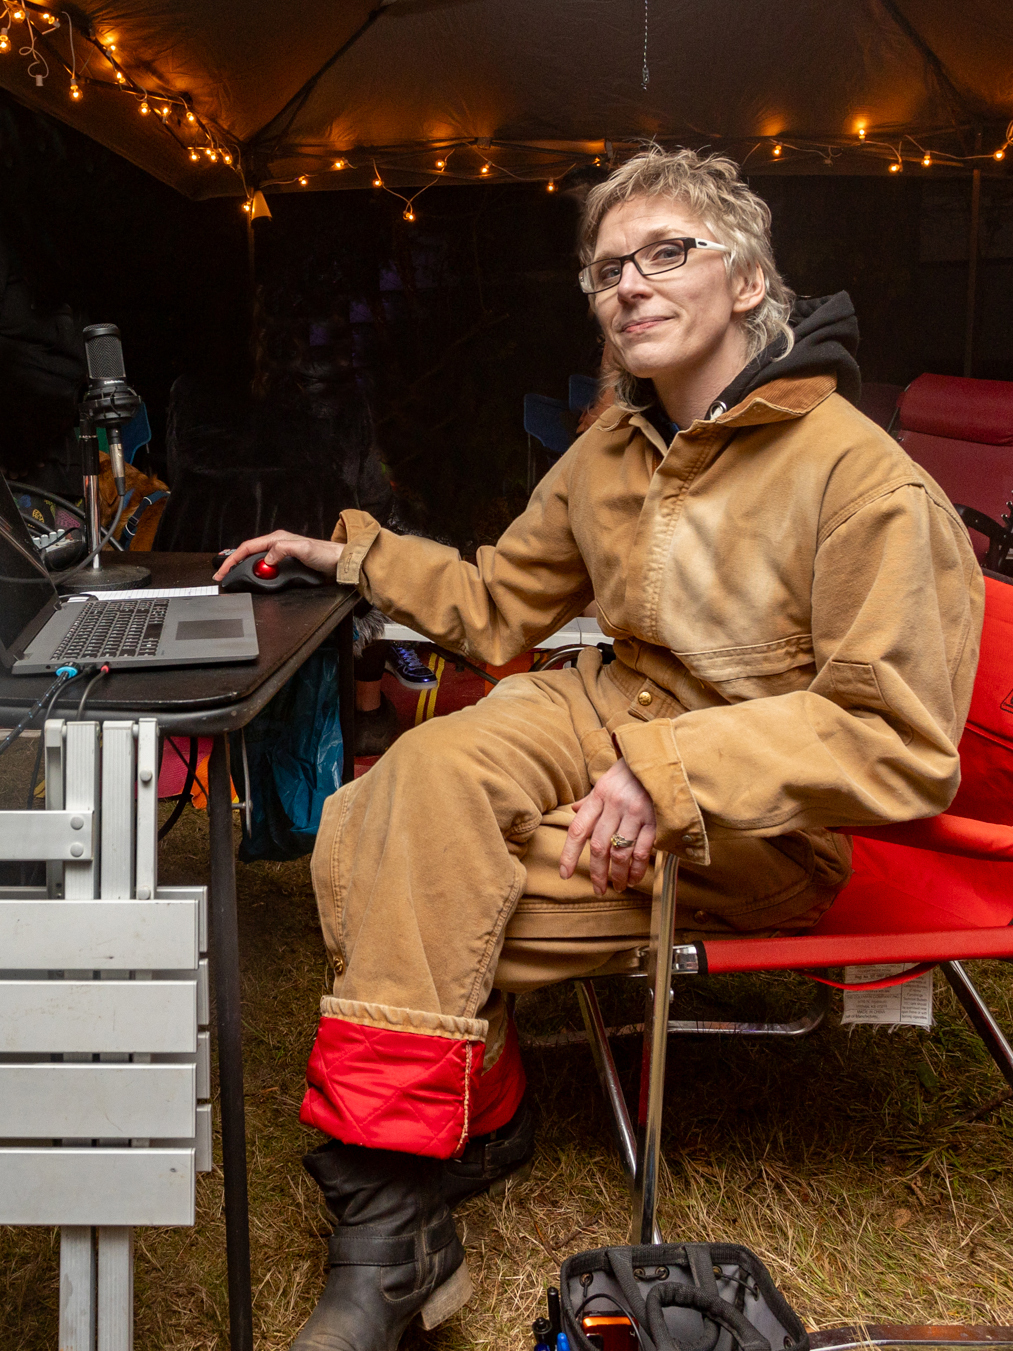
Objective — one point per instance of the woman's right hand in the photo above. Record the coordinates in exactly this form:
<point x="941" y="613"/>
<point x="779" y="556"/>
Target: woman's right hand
<point x="320" y="554"/>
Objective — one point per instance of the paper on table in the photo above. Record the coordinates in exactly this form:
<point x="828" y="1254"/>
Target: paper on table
<point x="909" y="1004"/>
<point x="149" y="593"/>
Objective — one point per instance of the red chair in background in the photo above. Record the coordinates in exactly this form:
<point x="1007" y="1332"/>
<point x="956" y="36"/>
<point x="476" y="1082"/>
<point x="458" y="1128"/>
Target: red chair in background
<point x="961" y="431"/>
<point x="931" y="892"/>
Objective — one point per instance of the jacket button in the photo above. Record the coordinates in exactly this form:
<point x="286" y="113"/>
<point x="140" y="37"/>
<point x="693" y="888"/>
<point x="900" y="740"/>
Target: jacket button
<point x="701" y="916"/>
<point x="644" y="698"/>
<point x="689" y="839"/>
<point x="339" y="965"/>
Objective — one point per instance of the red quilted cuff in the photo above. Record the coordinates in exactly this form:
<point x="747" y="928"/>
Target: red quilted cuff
<point x="391" y="1089"/>
<point x="500" y="1089"/>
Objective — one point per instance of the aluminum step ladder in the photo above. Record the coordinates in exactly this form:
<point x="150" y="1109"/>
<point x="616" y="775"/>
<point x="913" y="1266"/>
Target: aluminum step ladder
<point x="104" y="1006"/>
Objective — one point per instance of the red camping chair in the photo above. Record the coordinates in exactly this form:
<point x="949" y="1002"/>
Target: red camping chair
<point x="930" y="892"/>
<point x="961" y="431"/>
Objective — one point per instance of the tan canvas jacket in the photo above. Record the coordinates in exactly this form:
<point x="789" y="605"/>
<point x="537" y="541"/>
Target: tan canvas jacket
<point x="804" y="591"/>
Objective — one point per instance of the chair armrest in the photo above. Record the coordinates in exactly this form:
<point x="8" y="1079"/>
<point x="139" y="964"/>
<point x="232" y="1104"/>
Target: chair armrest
<point x="946" y="834"/>
<point x="977" y="520"/>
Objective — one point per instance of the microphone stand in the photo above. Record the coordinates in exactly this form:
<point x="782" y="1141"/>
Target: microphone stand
<point x="100" y="575"/>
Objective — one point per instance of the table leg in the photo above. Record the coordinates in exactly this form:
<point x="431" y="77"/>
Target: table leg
<point x="225" y="950"/>
<point x="346" y="696"/>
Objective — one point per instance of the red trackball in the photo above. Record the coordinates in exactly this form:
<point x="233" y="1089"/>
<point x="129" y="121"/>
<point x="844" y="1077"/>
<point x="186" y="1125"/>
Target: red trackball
<point x="264" y="569"/>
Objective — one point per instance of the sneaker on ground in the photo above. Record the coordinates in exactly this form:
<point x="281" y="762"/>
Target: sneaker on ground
<point x="412" y="673"/>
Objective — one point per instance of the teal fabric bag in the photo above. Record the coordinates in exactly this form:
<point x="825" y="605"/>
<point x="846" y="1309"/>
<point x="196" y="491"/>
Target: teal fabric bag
<point x="294" y="753"/>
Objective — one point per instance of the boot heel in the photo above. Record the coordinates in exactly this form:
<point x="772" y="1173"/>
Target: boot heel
<point x="503" y="1184"/>
<point x="452" y="1295"/>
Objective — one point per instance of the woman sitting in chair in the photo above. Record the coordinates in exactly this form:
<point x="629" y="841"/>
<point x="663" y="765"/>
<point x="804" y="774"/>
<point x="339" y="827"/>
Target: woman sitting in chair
<point x="795" y="608"/>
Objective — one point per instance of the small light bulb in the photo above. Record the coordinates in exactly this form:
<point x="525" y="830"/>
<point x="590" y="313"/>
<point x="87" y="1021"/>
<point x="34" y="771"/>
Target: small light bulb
<point x="1000" y="154"/>
<point x="194" y="156"/>
<point x="777" y="151"/>
<point x="5" y="43"/>
<point x="927" y="161"/>
<point x="165" y="110"/>
<point x="896" y="167"/>
<point x="441" y="164"/>
<point x="75" y="90"/>
<point x="550" y="186"/>
<point x="226" y="157"/>
<point x="409" y="214"/>
<point x="484" y="169"/>
<point x="213" y="156"/>
<point x="303" y="180"/>
<point x="246" y="207"/>
<point x="861" y="133"/>
<point x="120" y="77"/>
<point x="144" y="109"/>
<point x="340" y="164"/>
<point x="18" y="14"/>
<point x="190" y="117"/>
<point x="111" y="47"/>
<point x="49" y="18"/>
<point x="378" y="182"/>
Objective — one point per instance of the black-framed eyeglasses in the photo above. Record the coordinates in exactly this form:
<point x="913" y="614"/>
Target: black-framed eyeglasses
<point x="664" y="255"/>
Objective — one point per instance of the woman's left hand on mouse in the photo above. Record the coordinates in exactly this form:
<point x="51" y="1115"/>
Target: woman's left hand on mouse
<point x="320" y="554"/>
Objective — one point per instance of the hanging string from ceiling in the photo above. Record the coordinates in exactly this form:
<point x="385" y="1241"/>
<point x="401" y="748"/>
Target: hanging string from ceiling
<point x="645" y="74"/>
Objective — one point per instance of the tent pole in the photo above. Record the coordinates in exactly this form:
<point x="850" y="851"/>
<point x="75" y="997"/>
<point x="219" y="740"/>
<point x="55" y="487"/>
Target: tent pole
<point x="972" y="265"/>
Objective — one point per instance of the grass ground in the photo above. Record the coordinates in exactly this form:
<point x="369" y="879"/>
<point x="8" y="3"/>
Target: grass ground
<point x="860" y="1166"/>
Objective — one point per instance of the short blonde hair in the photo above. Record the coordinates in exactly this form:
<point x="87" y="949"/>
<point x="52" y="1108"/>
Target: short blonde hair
<point x="710" y="186"/>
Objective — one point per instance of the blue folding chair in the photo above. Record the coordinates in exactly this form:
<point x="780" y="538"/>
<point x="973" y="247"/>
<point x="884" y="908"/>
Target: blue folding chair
<point x="551" y="421"/>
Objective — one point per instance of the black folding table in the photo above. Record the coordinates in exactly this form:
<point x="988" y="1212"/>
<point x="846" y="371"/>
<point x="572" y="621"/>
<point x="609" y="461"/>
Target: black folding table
<point x="213" y="701"/>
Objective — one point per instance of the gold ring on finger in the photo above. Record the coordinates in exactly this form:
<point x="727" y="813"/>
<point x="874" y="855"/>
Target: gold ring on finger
<point x="621" y="842"/>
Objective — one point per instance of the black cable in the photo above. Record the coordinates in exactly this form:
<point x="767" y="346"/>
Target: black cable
<point x="67" y="674"/>
<point x="184" y="797"/>
<point x="42" y="734"/>
<point x="41" y="529"/>
<point x="603" y="1294"/>
<point x="59" y="577"/>
<point x="47" y="496"/>
<point x="104" y="671"/>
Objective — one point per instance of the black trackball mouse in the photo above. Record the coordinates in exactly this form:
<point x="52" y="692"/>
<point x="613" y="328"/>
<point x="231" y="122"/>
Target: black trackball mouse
<point x="253" y="574"/>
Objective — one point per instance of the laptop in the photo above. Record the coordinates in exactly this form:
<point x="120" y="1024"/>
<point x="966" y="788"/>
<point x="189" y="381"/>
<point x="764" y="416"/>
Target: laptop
<point x="40" y="632"/>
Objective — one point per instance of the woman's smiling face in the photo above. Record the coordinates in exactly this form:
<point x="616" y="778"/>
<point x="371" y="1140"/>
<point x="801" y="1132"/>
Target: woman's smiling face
<point x="678" y="321"/>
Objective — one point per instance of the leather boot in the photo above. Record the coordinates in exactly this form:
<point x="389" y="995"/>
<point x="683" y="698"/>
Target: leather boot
<point x="394" y="1254"/>
<point x="490" y="1161"/>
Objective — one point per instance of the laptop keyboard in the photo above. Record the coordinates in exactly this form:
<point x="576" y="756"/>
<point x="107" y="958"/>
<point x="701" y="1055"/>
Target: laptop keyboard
<point x="114" y="628"/>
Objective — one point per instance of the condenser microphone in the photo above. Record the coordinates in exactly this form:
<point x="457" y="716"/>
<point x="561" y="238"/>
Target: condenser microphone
<point x="109" y="400"/>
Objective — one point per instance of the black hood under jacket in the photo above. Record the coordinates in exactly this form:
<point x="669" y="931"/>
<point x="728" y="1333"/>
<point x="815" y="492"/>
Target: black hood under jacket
<point x="826" y="340"/>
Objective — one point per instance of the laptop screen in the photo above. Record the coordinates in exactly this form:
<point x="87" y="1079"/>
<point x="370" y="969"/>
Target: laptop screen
<point x="27" y="594"/>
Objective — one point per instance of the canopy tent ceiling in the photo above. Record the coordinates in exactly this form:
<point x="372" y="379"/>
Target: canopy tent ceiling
<point x="267" y="93"/>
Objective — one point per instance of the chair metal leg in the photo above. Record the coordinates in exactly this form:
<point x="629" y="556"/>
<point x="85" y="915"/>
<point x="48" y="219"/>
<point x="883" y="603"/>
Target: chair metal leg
<point x="597" y="1038"/>
<point x="652" y="1069"/>
<point x="808" y="1021"/>
<point x="77" y="1288"/>
<point x="225" y="949"/>
<point x="981" y="1019"/>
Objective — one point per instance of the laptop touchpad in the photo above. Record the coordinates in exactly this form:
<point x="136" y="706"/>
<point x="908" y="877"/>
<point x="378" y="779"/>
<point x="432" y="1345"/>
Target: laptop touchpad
<point x="200" y="630"/>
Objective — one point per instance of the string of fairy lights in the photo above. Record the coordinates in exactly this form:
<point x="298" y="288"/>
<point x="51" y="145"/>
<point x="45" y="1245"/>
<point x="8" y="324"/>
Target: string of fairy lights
<point x="90" y="61"/>
<point x="485" y="170"/>
<point x="907" y="149"/>
<point x="482" y="165"/>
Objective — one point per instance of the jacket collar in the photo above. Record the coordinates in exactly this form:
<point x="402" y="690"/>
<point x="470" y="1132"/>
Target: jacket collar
<point x="777" y="401"/>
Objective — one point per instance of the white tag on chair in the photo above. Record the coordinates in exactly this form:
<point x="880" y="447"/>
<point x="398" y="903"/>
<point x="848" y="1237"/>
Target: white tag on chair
<point x="909" y="1004"/>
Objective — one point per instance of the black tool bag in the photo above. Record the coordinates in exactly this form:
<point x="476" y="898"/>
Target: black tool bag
<point x="682" y="1297"/>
